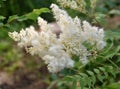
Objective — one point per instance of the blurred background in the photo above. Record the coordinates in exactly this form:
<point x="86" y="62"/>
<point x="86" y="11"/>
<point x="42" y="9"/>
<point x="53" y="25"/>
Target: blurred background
<point x="19" y="70"/>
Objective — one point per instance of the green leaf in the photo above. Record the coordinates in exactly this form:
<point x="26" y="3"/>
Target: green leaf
<point x="90" y="72"/>
<point x="96" y="71"/>
<point x="112" y="52"/>
<point x="92" y="77"/>
<point x="100" y="18"/>
<point x="108" y="47"/>
<point x="110" y="3"/>
<point x="81" y="83"/>
<point x="111" y="70"/>
<point x="42" y="10"/>
<point x="1" y="24"/>
<point x="100" y="77"/>
<point x="89" y="82"/>
<point x="114" y="86"/>
<point x="32" y="15"/>
<point x="112" y="34"/>
<point x="12" y="18"/>
<point x="22" y="18"/>
<point x="83" y="75"/>
<point x="104" y="71"/>
<point x="118" y="59"/>
<point x="74" y="84"/>
<point x="36" y="12"/>
<point x="116" y="12"/>
<point x="68" y="78"/>
<point x="2" y="18"/>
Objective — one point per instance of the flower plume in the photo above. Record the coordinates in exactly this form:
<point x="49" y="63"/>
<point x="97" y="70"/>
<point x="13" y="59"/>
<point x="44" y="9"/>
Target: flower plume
<point x="58" y="52"/>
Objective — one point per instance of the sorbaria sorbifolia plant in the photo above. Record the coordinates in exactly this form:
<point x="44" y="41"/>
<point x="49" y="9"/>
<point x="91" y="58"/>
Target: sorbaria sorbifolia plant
<point x="77" y="38"/>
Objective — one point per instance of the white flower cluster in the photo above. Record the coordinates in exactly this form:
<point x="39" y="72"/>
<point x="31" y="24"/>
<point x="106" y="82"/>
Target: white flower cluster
<point x="58" y="52"/>
<point x="78" y="5"/>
